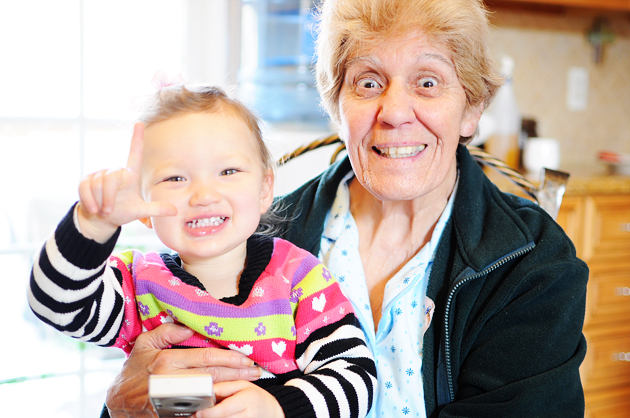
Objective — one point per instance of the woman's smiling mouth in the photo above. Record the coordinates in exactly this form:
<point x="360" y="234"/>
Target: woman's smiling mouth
<point x="399" y="152"/>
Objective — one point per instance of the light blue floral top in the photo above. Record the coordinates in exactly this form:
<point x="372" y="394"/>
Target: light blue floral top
<point x="406" y="311"/>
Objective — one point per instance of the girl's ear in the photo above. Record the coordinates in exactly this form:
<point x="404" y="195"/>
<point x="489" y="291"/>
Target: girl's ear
<point x="266" y="192"/>
<point x="146" y="222"/>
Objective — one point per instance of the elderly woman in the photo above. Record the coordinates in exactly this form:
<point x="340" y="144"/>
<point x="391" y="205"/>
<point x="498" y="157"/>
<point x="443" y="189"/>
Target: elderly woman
<point x="472" y="299"/>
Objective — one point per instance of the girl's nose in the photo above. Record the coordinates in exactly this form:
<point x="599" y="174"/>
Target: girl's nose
<point x="204" y="195"/>
<point x="397" y="105"/>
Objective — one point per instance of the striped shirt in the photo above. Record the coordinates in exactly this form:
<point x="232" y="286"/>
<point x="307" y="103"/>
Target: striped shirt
<point x="289" y="316"/>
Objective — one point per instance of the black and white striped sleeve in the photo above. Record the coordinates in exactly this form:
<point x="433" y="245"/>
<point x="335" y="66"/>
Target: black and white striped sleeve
<point x="340" y="374"/>
<point x="72" y="289"/>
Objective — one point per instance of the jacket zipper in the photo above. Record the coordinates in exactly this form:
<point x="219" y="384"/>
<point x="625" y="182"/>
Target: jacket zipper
<point x="447" y="351"/>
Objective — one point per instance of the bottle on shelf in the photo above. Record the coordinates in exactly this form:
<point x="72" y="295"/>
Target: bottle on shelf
<point x="504" y="143"/>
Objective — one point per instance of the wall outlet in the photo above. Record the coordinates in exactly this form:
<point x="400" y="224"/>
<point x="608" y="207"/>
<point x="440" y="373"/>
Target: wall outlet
<point x="577" y="88"/>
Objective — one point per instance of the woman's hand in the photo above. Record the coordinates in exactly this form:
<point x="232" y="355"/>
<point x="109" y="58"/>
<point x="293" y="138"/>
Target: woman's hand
<point x="111" y="198"/>
<point x="128" y="395"/>
<point x="242" y="400"/>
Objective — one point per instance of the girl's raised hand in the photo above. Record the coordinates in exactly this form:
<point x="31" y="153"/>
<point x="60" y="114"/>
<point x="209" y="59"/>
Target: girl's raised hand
<point x="111" y="198"/>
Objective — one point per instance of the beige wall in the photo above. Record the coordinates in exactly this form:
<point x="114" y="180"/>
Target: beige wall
<point x="544" y="47"/>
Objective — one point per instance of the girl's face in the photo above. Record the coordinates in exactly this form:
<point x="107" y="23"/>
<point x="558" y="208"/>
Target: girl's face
<point x="207" y="165"/>
<point x="403" y="110"/>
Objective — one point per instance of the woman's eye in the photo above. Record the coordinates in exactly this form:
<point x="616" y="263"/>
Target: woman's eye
<point x="229" y="172"/>
<point x="368" y="83"/>
<point x="427" y="82"/>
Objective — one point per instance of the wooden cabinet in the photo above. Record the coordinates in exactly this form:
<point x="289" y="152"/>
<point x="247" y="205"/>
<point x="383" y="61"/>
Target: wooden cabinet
<point x="599" y="225"/>
<point x="618" y="5"/>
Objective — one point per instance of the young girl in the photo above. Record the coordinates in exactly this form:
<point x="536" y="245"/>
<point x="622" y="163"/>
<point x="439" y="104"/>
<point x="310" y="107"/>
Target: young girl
<point x="200" y="175"/>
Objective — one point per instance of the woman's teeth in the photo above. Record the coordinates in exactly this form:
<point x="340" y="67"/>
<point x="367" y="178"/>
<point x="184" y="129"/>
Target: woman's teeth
<point x="205" y="222"/>
<point x="400" y="152"/>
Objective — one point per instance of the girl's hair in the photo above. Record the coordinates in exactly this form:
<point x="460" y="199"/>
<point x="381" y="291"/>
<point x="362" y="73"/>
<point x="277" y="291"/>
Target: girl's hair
<point x="460" y="26"/>
<point x="173" y="101"/>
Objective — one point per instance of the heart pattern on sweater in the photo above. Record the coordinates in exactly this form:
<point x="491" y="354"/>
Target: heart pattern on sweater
<point x="278" y="348"/>
<point x="246" y="349"/>
<point x="319" y="303"/>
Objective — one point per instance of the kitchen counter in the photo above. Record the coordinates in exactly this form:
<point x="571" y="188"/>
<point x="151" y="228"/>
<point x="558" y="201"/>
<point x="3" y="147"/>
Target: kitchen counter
<point x="582" y="181"/>
<point x="598" y="184"/>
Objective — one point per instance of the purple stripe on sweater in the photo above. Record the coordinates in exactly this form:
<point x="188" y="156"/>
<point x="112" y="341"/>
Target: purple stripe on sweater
<point x="307" y="264"/>
<point x="209" y="306"/>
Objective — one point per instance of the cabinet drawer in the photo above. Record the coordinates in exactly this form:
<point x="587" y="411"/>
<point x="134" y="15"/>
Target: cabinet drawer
<point x="570" y="217"/>
<point x="614" y="410"/>
<point x="607" y="228"/>
<point x="607" y="363"/>
<point x="613" y="403"/>
<point x="608" y="294"/>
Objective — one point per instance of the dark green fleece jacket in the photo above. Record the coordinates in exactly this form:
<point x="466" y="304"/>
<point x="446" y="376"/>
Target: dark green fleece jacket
<point x="506" y="338"/>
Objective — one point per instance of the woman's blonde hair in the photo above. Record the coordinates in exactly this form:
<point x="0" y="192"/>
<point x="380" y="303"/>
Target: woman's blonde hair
<point x="175" y="101"/>
<point x="461" y="26"/>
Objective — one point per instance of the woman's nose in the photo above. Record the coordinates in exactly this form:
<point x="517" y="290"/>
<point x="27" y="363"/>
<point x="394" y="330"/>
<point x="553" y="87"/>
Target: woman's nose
<point x="204" y="195"/>
<point x="397" y="105"/>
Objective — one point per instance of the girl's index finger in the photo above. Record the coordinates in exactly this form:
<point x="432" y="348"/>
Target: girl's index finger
<point x="134" y="162"/>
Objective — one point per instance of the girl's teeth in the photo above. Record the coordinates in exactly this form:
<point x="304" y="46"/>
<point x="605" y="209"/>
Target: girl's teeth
<point x="400" y="152"/>
<point x="205" y="222"/>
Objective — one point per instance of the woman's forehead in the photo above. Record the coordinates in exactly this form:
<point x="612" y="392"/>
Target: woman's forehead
<point x="414" y="48"/>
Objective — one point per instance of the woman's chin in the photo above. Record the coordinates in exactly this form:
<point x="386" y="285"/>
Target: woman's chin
<point x="393" y="189"/>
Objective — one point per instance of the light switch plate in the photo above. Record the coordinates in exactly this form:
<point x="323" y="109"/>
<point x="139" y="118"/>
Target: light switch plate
<point x="577" y="88"/>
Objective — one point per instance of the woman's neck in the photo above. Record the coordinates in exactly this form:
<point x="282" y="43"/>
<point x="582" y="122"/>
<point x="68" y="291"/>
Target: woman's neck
<point x="408" y="223"/>
<point x="219" y="275"/>
<point x="392" y="232"/>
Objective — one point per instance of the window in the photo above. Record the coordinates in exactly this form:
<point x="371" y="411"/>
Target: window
<point x="70" y="72"/>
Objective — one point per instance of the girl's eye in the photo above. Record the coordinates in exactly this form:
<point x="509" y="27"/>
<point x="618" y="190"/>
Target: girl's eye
<point x="175" y="178"/>
<point x="229" y="172"/>
<point x="427" y="82"/>
<point x="368" y="83"/>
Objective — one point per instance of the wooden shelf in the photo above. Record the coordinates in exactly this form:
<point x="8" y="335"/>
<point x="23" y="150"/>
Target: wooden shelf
<point x="559" y="5"/>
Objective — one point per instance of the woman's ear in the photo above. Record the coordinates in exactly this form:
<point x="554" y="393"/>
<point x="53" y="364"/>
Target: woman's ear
<point x="266" y="192"/>
<point x="471" y="118"/>
<point x="146" y="222"/>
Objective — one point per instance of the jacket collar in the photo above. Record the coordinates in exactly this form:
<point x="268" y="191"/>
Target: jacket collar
<point x="481" y="213"/>
<point x="307" y="207"/>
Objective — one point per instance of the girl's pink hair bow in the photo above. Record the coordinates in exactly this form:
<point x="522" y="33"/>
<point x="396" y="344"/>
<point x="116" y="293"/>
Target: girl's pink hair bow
<point x="160" y="80"/>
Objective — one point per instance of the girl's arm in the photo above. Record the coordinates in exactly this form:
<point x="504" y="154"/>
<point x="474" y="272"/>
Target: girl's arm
<point x="73" y="289"/>
<point x="340" y="373"/>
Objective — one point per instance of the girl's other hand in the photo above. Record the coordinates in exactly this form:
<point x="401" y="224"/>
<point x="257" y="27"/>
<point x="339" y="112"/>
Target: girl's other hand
<point x="242" y="399"/>
<point x="128" y="396"/>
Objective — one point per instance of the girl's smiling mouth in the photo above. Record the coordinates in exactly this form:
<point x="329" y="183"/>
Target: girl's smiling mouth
<point x="212" y="221"/>
<point x="206" y="225"/>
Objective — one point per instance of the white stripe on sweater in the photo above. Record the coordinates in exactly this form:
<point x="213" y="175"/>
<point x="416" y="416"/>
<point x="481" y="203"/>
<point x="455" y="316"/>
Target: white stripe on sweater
<point x="61" y="319"/>
<point x="111" y="287"/>
<point x="307" y="364"/>
<point x="315" y="396"/>
<point x="60" y="294"/>
<point x="335" y="387"/>
<point x="358" y="384"/>
<point x="65" y="267"/>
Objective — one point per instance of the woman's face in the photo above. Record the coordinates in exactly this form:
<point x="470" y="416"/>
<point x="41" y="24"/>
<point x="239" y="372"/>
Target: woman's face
<point x="402" y="113"/>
